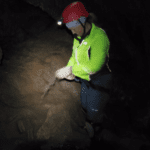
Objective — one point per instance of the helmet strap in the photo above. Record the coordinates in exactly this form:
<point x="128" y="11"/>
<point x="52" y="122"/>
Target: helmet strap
<point x="75" y="35"/>
<point x="82" y="26"/>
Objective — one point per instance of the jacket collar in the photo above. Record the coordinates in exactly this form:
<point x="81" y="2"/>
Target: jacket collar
<point x="88" y="33"/>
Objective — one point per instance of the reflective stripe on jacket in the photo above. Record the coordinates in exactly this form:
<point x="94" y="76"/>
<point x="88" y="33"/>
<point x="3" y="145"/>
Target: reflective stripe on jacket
<point x="89" y="56"/>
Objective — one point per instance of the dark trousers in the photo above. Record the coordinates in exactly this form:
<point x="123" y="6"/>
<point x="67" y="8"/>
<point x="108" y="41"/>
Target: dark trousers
<point x="95" y="94"/>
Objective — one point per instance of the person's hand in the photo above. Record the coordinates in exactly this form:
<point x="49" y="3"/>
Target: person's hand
<point x="70" y="77"/>
<point x="63" y="72"/>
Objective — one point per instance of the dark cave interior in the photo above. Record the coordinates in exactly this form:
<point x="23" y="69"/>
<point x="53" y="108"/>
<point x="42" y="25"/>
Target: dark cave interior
<point x="33" y="47"/>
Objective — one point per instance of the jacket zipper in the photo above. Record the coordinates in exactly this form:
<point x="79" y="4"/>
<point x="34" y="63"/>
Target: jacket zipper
<point x="76" y="52"/>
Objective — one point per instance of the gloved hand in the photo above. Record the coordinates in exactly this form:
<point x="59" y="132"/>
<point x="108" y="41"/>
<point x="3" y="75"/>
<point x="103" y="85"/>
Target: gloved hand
<point x="70" y="77"/>
<point x="64" y="73"/>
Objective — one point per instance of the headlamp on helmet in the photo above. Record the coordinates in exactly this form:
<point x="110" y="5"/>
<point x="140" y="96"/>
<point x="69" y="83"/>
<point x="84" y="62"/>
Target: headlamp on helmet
<point x="60" y="22"/>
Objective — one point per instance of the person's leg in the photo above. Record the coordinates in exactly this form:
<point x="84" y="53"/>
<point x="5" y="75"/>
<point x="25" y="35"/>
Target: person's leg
<point x="97" y="98"/>
<point x="83" y="96"/>
<point x="83" y="93"/>
<point x="96" y="101"/>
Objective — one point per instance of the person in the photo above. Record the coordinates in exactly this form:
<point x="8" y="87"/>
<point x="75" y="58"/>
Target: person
<point x="89" y="61"/>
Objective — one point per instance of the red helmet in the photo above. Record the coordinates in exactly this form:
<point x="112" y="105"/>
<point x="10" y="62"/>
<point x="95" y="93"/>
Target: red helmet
<point x="73" y="12"/>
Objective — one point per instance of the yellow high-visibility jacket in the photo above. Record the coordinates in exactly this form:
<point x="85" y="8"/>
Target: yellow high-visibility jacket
<point x="90" y="55"/>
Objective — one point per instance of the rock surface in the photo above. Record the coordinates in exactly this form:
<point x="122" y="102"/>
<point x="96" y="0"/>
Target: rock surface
<point x="27" y="71"/>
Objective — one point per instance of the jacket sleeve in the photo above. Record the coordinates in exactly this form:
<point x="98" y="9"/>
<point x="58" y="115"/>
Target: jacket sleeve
<point x="99" y="50"/>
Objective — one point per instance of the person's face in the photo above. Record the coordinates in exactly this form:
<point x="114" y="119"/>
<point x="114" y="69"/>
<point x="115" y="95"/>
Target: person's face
<point x="79" y="30"/>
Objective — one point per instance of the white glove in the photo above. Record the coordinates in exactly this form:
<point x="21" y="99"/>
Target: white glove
<point x="63" y="72"/>
<point x="71" y="77"/>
